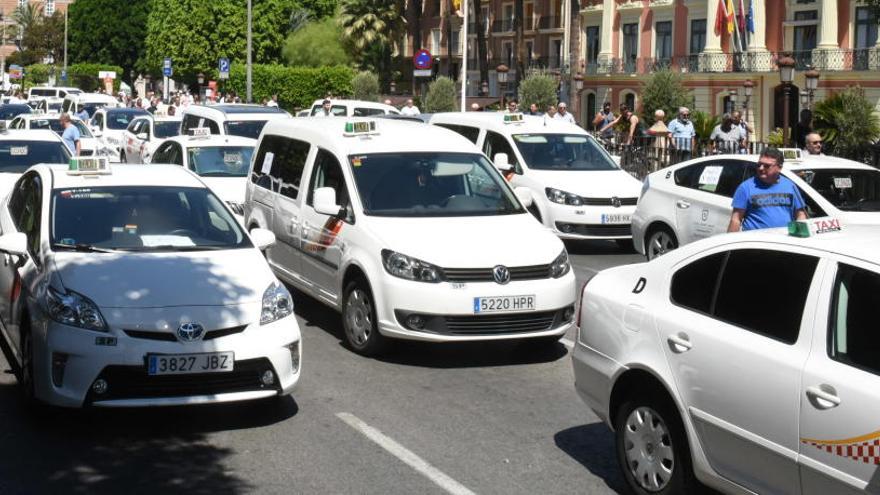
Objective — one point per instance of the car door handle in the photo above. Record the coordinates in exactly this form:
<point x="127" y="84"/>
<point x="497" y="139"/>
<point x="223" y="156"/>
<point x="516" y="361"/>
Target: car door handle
<point x="679" y="343"/>
<point x="823" y="396"/>
<point x="682" y="204"/>
<point x="292" y="226"/>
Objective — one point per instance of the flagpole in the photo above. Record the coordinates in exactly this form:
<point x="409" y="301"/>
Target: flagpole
<point x="464" y="55"/>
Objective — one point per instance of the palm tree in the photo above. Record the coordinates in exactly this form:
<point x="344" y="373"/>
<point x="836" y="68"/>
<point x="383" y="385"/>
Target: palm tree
<point x="373" y="27"/>
<point x="847" y="123"/>
<point x="26" y="16"/>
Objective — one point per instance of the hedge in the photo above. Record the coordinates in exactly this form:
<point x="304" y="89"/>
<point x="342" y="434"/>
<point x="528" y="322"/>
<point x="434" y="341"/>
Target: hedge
<point x="296" y="87"/>
<point x="85" y="76"/>
<point x="37" y="74"/>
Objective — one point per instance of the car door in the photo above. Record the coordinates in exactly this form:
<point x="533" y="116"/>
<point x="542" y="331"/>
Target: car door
<point x="10" y="280"/>
<point x="131" y="142"/>
<point x="705" y="192"/>
<point x="735" y="346"/>
<point x="323" y="236"/>
<point x="162" y="152"/>
<point x="840" y="391"/>
<point x="288" y="165"/>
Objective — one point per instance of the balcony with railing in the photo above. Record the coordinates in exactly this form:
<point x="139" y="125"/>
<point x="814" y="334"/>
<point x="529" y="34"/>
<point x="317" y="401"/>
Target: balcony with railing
<point x="549" y="22"/>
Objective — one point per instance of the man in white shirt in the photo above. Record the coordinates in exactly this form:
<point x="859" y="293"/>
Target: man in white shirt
<point x="409" y="108"/>
<point x="273" y="102"/>
<point x="325" y="110"/>
<point x="562" y="114"/>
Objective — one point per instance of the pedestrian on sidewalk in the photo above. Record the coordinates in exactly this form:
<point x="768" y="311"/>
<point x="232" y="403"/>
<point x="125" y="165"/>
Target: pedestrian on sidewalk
<point x="682" y="136"/>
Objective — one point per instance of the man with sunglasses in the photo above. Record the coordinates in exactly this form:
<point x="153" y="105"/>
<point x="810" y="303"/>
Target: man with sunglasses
<point x="813" y="144"/>
<point x="768" y="199"/>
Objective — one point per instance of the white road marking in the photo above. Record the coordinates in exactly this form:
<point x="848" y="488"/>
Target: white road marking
<point x="567" y="343"/>
<point x="405" y="455"/>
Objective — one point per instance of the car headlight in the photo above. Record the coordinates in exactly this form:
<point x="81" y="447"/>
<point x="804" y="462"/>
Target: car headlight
<point x="563" y="198"/>
<point x="277" y="303"/>
<point x="560" y="265"/>
<point x="403" y="266"/>
<point x="77" y="310"/>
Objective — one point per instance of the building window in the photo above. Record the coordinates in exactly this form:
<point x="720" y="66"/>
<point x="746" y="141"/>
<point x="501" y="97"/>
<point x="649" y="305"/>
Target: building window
<point x="485" y="15"/>
<point x="592" y="45"/>
<point x="555" y="53"/>
<point x="49" y="10"/>
<point x="698" y="36"/>
<point x="630" y="100"/>
<point x="435" y="42"/>
<point x="630" y="46"/>
<point x="805" y="37"/>
<point x="663" y="42"/>
<point x="866" y="29"/>
<point x="456" y="42"/>
<point x="528" y="16"/>
<point x="591" y="108"/>
<point x="556" y="19"/>
<point x="507" y="18"/>
<point x="507" y="53"/>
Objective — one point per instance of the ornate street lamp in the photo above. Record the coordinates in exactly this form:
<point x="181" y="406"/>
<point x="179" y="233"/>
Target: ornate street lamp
<point x="732" y="94"/>
<point x="786" y="75"/>
<point x="812" y="76"/>
<point x="579" y="86"/>
<point x="748" y="87"/>
<point x="805" y="98"/>
<point x="484" y="87"/>
<point x="501" y="72"/>
<point x="393" y="87"/>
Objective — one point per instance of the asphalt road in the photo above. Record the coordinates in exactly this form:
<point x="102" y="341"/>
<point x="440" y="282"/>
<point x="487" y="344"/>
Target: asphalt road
<point x="482" y="418"/>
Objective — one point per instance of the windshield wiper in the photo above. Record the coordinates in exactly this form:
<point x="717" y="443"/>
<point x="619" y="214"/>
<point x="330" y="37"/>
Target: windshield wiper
<point x="171" y="247"/>
<point x="83" y="248"/>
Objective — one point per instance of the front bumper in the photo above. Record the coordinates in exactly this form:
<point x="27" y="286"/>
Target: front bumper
<point x="448" y="309"/>
<point x="70" y="360"/>
<point x="589" y="222"/>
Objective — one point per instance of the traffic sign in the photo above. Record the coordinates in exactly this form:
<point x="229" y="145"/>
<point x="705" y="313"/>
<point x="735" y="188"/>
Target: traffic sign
<point x="63" y="75"/>
<point x="224" y="68"/>
<point x="166" y="67"/>
<point x="423" y="60"/>
<point x="423" y="73"/>
<point x="107" y="74"/>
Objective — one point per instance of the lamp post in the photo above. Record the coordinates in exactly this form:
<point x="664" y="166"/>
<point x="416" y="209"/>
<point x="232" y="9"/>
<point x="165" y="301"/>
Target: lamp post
<point x="579" y="86"/>
<point x="786" y="75"/>
<point x="732" y="94"/>
<point x="501" y="72"/>
<point x="249" y="71"/>
<point x="804" y="98"/>
<point x="393" y="87"/>
<point x="484" y="87"/>
<point x="200" y="78"/>
<point x="812" y="76"/>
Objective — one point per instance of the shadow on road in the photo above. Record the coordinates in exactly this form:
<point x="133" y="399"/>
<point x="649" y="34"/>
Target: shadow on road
<point x="592" y="446"/>
<point x="155" y="450"/>
<point x="596" y="247"/>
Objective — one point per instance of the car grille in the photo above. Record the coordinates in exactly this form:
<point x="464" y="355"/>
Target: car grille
<point x="494" y="324"/>
<point x="609" y="201"/>
<point x="534" y="272"/>
<point x="595" y="230"/>
<point x="133" y="382"/>
<point x="171" y="337"/>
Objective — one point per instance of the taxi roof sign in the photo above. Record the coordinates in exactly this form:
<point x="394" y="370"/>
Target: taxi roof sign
<point x="791" y="154"/>
<point x="199" y="132"/>
<point x="361" y="128"/>
<point x="88" y="165"/>
<point x="513" y="118"/>
<point x="814" y="226"/>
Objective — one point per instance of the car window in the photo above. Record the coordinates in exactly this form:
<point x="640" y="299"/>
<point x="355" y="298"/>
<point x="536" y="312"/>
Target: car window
<point x="472" y="133"/>
<point x="175" y="154"/>
<point x="564" y="152"/>
<point x="847" y="189"/>
<point x="282" y="159"/>
<point x="17" y="156"/>
<point x="119" y="120"/>
<point x="328" y="173"/>
<point x="220" y="161"/>
<point x="246" y="128"/>
<point x="161" y="154"/>
<point x="98" y="121"/>
<point x="855" y="340"/>
<point x="720" y="177"/>
<point x="133" y="126"/>
<point x="765" y="291"/>
<point x="163" y="129"/>
<point x="366" y="112"/>
<point x="693" y="286"/>
<point x="25" y="208"/>
<point x="496" y="143"/>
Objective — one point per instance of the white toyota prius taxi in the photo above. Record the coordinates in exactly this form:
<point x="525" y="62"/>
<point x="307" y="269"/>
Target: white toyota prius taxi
<point x="747" y="361"/>
<point x="121" y="289"/>
<point x="409" y="231"/>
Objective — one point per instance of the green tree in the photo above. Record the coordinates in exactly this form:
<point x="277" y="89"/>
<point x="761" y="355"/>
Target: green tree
<point x="663" y="90"/>
<point x="318" y="9"/>
<point x="372" y="27"/>
<point x="847" y="122"/>
<point x="441" y="96"/>
<point x="27" y="14"/>
<point x="538" y="88"/>
<point x="40" y="36"/>
<point x="316" y="45"/>
<point x="108" y="32"/>
<point x="703" y="124"/>
<point x="365" y="86"/>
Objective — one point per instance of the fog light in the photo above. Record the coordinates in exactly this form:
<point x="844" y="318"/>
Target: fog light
<point x="566" y="227"/>
<point x="568" y="313"/>
<point x="294" y="356"/>
<point x="59" y="361"/>
<point x="268" y="378"/>
<point x="415" y="322"/>
<point x="100" y="386"/>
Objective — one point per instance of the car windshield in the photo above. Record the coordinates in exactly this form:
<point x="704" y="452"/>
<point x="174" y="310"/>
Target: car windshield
<point x="54" y="107"/>
<point x="166" y="129"/>
<point x="431" y="185"/>
<point x="847" y="189"/>
<point x="138" y="218"/>
<point x="93" y="107"/>
<point x="17" y="156"/>
<point x="562" y="152"/>
<point x="247" y="128"/>
<point x="220" y="161"/>
<point x="121" y="118"/>
<point x="9" y="112"/>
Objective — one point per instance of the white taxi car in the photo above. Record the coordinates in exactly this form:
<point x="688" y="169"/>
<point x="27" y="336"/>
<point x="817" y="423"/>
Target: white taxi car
<point x="144" y="134"/>
<point x="407" y="230"/>
<point x="747" y="360"/>
<point x="221" y="161"/>
<point x="109" y="125"/>
<point x="230" y="119"/>
<point x="578" y="190"/>
<point x="21" y="149"/>
<point x="353" y="108"/>
<point x="89" y="145"/>
<point x="125" y="287"/>
<point x="692" y="200"/>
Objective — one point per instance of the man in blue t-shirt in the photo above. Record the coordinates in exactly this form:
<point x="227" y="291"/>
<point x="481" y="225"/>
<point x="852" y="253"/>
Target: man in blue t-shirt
<point x="71" y="135"/>
<point x="768" y="199"/>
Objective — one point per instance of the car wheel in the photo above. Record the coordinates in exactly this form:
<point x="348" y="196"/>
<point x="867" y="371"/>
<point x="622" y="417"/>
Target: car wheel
<point x="652" y="448"/>
<point x="26" y="372"/>
<point x="660" y="242"/>
<point x="359" y="319"/>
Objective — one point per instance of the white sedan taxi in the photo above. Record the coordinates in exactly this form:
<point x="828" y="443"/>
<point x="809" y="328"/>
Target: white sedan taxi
<point x="692" y="200"/>
<point x="124" y="287"/>
<point x="747" y="361"/>
<point x="144" y="134"/>
<point x="409" y="231"/>
<point x="89" y="145"/>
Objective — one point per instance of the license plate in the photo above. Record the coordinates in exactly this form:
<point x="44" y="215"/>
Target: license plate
<point x="504" y="303"/>
<point x="616" y="218"/>
<point x="184" y="364"/>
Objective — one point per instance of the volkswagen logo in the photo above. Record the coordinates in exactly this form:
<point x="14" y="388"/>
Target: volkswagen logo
<point x="615" y="202"/>
<point x="501" y="274"/>
<point x="190" y="332"/>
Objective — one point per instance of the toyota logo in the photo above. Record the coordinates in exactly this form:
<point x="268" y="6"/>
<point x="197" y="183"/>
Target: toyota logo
<point x="190" y="332"/>
<point x="615" y="202"/>
<point x="501" y="274"/>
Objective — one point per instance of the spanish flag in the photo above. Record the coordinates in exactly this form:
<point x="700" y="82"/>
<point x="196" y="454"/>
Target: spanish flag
<point x="730" y="16"/>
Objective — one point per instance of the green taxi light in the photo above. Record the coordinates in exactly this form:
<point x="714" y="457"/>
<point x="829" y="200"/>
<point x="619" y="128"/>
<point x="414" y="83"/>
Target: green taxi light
<point x="798" y="229"/>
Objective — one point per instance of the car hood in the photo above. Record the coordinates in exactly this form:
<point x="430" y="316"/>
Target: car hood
<point x="147" y="280"/>
<point x="7" y="180"/>
<point x="469" y="242"/>
<point x="590" y="184"/>
<point x="227" y="188"/>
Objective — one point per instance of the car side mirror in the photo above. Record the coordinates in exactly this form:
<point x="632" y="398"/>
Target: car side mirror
<point x="325" y="201"/>
<point x="262" y="238"/>
<point x="501" y="162"/>
<point x="14" y="243"/>
<point x="524" y="195"/>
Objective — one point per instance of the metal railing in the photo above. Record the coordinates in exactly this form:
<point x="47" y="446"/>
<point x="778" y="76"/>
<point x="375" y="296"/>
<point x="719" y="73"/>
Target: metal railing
<point x="549" y="22"/>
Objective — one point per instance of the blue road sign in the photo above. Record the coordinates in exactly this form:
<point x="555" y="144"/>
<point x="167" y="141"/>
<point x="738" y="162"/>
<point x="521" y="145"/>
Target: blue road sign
<point x="223" y="65"/>
<point x="166" y="67"/>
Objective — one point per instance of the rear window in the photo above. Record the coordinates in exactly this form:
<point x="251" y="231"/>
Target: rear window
<point x="17" y="156"/>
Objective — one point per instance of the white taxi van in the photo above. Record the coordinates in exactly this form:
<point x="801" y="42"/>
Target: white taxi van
<point x="75" y="102"/>
<point x="407" y="230"/>
<point x="230" y="119"/>
<point x="747" y="361"/>
<point x="128" y="287"/>
<point x="692" y="200"/>
<point x="577" y="189"/>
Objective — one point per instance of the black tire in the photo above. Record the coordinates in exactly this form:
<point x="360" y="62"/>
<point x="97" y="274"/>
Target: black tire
<point x="26" y="370"/>
<point x="359" y="319"/>
<point x="665" y="459"/>
<point x="660" y="240"/>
